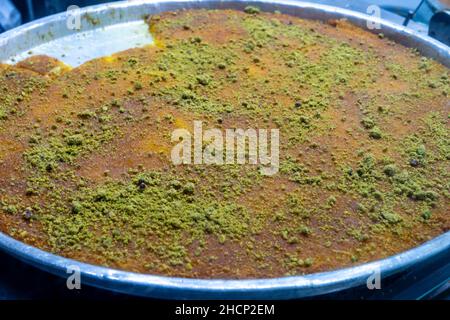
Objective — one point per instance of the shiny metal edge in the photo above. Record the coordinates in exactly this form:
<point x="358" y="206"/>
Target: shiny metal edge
<point x="185" y="288"/>
<point x="46" y="29"/>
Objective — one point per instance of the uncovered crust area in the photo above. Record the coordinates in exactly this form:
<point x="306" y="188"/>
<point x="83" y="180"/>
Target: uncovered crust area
<point x="85" y="168"/>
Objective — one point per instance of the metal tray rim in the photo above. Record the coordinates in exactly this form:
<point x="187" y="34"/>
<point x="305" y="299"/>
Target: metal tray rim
<point x="288" y="287"/>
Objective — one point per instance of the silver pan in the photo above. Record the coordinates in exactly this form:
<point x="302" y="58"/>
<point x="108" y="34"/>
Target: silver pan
<point x="103" y="30"/>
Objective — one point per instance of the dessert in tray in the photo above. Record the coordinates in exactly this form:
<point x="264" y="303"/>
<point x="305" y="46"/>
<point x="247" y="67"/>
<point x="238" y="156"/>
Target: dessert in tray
<point x="86" y="168"/>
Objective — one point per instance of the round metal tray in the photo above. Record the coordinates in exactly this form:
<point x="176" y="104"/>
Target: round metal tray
<point x="51" y="36"/>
